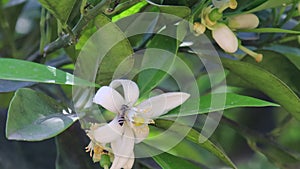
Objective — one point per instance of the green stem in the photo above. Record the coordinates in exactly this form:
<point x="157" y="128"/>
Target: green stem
<point x="42" y="29"/>
<point x="8" y="34"/>
<point x="66" y="40"/>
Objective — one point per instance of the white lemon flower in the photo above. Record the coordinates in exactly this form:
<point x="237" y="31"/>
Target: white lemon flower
<point x="130" y="125"/>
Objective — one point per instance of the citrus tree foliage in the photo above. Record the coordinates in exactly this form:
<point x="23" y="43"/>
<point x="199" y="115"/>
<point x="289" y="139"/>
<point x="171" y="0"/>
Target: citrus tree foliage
<point x="46" y="116"/>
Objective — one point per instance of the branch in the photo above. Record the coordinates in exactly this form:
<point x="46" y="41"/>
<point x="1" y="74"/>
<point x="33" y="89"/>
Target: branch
<point x="68" y="39"/>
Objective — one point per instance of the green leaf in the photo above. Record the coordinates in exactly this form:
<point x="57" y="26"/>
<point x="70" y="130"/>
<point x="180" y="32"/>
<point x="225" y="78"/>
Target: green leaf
<point x="292" y="53"/>
<point x="70" y="151"/>
<point x="266" y="82"/>
<point x="280" y="66"/>
<point x="60" y="9"/>
<point x="195" y="137"/>
<point x="20" y="70"/>
<point x="269" y="30"/>
<point x="182" y="147"/>
<point x="232" y="101"/>
<point x="33" y="116"/>
<point x="160" y="53"/>
<point x="115" y="54"/>
<point x="270" y="4"/>
<point x="168" y="161"/>
<point x="276" y="153"/>
<point x="130" y="11"/>
<point x="180" y="11"/>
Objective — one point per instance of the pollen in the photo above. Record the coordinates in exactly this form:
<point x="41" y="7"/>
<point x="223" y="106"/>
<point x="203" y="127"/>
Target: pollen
<point x="138" y="121"/>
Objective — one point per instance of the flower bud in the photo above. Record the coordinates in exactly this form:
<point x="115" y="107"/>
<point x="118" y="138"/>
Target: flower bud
<point x="199" y="28"/>
<point x="243" y="21"/>
<point x="232" y="4"/>
<point x="225" y="38"/>
<point x="215" y="15"/>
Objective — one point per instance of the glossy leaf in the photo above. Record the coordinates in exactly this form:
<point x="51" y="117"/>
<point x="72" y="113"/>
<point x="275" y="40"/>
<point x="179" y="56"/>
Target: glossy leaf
<point x="195" y="137"/>
<point x="19" y="70"/>
<point x="266" y="82"/>
<point x="232" y="101"/>
<point x="280" y="66"/>
<point x="293" y="54"/>
<point x="130" y="11"/>
<point x="33" y="116"/>
<point x="60" y="9"/>
<point x="168" y="161"/>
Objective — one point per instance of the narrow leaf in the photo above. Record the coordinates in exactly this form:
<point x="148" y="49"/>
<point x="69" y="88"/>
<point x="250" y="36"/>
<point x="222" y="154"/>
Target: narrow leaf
<point x="168" y="161"/>
<point x="266" y="82"/>
<point x="195" y="137"/>
<point x="20" y="70"/>
<point x="232" y="101"/>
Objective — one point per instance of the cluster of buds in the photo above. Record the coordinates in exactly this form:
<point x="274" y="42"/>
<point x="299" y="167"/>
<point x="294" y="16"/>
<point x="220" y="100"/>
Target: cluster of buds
<point x="222" y="30"/>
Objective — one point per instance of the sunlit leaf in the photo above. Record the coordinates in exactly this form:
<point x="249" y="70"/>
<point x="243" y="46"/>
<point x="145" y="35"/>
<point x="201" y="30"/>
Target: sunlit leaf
<point x="20" y="70"/>
<point x="34" y="116"/>
<point x="232" y="101"/>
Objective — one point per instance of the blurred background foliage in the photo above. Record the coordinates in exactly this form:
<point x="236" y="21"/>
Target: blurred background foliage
<point x="252" y="134"/>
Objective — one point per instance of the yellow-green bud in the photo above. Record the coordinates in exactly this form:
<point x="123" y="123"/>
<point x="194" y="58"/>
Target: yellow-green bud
<point x="215" y="15"/>
<point x="243" y="21"/>
<point x="199" y="28"/>
<point x="225" y="38"/>
<point x="105" y="160"/>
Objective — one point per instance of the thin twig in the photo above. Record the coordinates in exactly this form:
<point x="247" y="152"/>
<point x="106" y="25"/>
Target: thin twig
<point x="68" y="39"/>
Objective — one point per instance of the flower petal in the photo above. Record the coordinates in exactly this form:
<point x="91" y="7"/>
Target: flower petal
<point x="161" y="104"/>
<point x="131" y="90"/>
<point x="130" y="162"/>
<point x="123" y="148"/>
<point x="109" y="98"/>
<point x="225" y="38"/>
<point x="140" y="133"/>
<point x="108" y="133"/>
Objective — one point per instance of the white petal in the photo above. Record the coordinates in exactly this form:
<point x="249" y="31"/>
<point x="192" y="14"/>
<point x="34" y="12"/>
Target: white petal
<point x="131" y="90"/>
<point x="109" y="98"/>
<point x="140" y="133"/>
<point x="108" y="132"/>
<point x="130" y="162"/>
<point x="122" y="148"/>
<point x="225" y="38"/>
<point x="161" y="104"/>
